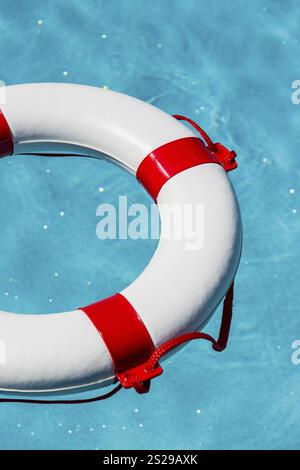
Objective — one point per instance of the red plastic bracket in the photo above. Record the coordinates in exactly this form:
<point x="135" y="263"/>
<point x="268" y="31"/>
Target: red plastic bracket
<point x="139" y="377"/>
<point x="224" y="156"/>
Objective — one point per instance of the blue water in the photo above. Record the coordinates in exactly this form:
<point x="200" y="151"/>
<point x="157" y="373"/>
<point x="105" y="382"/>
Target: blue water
<point x="228" y="65"/>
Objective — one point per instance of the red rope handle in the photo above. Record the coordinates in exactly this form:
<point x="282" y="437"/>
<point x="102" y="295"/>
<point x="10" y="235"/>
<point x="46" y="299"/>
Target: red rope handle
<point x="211" y="146"/>
<point x="218" y="345"/>
<point x="143" y="386"/>
<point x="224" y="156"/>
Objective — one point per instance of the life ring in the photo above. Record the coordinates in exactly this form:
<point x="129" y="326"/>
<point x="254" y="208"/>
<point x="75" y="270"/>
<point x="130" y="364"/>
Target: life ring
<point x="177" y="292"/>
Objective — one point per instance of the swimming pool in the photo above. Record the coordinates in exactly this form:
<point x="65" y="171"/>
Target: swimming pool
<point x="230" y="68"/>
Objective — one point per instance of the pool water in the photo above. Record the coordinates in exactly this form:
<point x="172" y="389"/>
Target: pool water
<point x="230" y="68"/>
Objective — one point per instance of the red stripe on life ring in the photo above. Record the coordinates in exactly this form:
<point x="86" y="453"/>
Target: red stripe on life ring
<point x="6" y="138"/>
<point x="126" y="337"/>
<point x="169" y="160"/>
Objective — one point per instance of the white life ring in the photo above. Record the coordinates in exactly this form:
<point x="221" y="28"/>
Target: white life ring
<point x="177" y="292"/>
